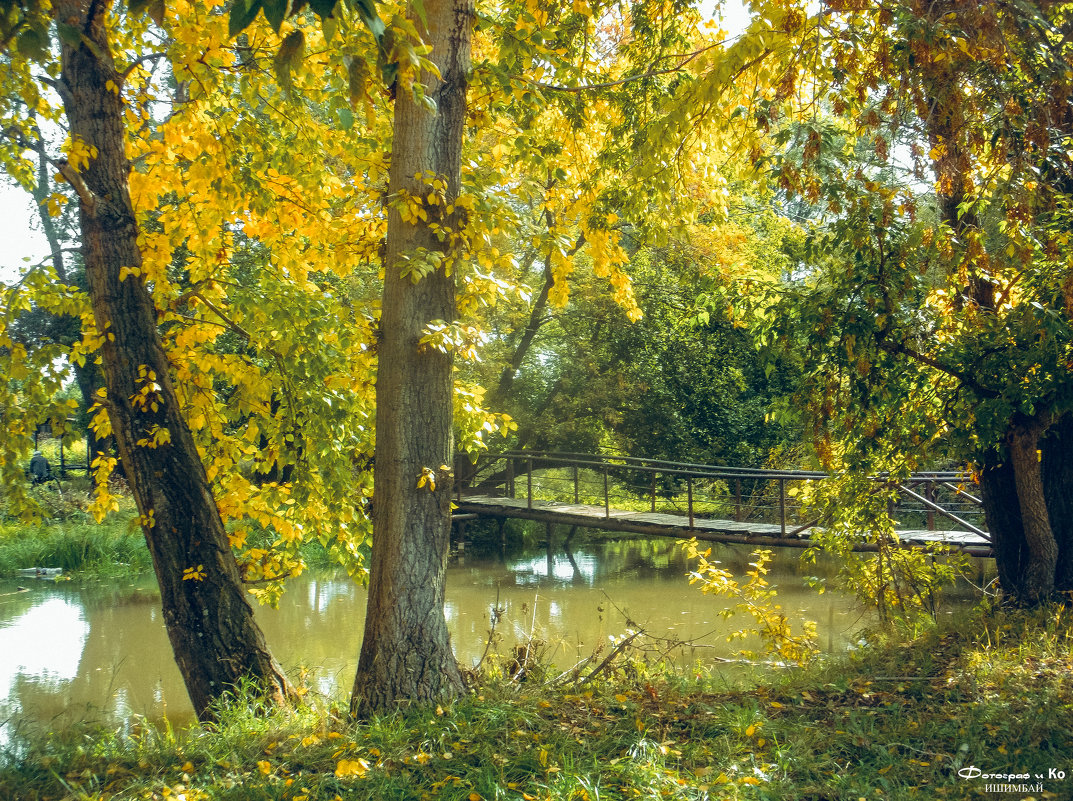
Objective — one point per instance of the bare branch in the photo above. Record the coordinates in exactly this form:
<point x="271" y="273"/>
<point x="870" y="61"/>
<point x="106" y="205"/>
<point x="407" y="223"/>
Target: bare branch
<point x="138" y="62"/>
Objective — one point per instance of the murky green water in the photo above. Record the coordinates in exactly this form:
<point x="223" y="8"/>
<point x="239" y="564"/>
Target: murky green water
<point x="99" y="652"/>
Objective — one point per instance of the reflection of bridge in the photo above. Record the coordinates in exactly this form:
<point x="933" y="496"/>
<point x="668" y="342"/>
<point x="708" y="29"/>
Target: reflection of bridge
<point x="721" y="504"/>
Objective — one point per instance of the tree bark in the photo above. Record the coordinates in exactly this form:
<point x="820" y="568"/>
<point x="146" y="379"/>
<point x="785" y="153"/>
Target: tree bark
<point x="1038" y="573"/>
<point x="1057" y="470"/>
<point x="210" y="623"/>
<point x="998" y="491"/>
<point x="406" y="652"/>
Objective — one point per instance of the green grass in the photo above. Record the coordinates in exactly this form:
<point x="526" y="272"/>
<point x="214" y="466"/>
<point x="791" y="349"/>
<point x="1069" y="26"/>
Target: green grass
<point x="115" y="547"/>
<point x="894" y="720"/>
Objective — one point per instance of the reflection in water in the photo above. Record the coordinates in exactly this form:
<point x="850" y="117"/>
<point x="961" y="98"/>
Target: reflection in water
<point x="568" y="566"/>
<point x="44" y="644"/>
<point x="101" y="653"/>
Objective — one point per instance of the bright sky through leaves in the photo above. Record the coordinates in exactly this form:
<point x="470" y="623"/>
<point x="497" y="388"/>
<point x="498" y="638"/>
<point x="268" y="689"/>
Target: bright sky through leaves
<point x="22" y="239"/>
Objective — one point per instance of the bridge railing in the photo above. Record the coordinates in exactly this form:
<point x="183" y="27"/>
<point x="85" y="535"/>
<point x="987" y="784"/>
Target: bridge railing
<point x="927" y="500"/>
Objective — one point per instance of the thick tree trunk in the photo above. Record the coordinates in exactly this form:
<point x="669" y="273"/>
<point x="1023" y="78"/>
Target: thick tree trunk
<point x="406" y="651"/>
<point x="998" y="491"/>
<point x="216" y="641"/>
<point x="1042" y="558"/>
<point x="1057" y="469"/>
<point x="1018" y="568"/>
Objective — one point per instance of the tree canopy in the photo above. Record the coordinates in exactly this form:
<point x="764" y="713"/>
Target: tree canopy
<point x="304" y="226"/>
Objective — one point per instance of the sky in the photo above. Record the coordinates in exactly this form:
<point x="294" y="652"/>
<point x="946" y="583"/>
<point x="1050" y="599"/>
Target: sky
<point x="20" y="230"/>
<point x="21" y="240"/>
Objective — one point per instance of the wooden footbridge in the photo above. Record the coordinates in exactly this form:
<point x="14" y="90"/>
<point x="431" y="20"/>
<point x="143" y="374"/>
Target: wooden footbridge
<point x="720" y="504"/>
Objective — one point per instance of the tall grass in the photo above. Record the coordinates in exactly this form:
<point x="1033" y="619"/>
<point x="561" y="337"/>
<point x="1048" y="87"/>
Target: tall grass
<point x="113" y="547"/>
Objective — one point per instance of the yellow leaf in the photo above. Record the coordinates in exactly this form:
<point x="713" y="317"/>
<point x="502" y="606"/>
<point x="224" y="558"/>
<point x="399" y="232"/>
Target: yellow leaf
<point x="188" y="767"/>
<point x="749" y="732"/>
<point x="351" y="767"/>
<point x="265" y="766"/>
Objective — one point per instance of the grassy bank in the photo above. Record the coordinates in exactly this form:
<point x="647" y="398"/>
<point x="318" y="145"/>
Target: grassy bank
<point x="77" y="544"/>
<point x="115" y="547"/>
<point x="895" y="719"/>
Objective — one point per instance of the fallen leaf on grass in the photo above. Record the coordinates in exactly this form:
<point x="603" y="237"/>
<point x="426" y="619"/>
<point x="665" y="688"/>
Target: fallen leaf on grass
<point x="351" y="767"/>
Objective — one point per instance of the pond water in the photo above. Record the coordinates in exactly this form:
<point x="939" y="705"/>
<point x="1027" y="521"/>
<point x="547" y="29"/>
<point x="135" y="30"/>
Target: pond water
<point x="98" y="652"/>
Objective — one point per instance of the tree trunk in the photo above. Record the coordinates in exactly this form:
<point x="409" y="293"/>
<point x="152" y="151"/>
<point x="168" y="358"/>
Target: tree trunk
<point x="210" y="624"/>
<point x="998" y="491"/>
<point x="1002" y="507"/>
<point x="406" y="651"/>
<point x="1057" y="469"/>
<point x="1042" y="557"/>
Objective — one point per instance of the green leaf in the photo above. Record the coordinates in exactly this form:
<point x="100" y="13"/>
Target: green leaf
<point x="357" y="78"/>
<point x="33" y="43"/>
<point x="290" y="52"/>
<point x="323" y="8"/>
<point x="366" y="9"/>
<point x="419" y="7"/>
<point x="243" y="12"/>
<point x="328" y="26"/>
<point x="275" y="12"/>
<point x="155" y="9"/>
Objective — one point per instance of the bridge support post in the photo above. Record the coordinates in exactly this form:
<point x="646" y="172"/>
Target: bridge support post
<point x="782" y="505"/>
<point x="607" y="497"/>
<point x="689" y="496"/>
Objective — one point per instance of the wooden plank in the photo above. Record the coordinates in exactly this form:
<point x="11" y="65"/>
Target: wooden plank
<point x="669" y="525"/>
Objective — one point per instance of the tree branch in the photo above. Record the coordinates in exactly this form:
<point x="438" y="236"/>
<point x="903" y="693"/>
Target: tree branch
<point x="74" y="178"/>
<point x="138" y="62"/>
<point x="901" y="349"/>
<point x="685" y="59"/>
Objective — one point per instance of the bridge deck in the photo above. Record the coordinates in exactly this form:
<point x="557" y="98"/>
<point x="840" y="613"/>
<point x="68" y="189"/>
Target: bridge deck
<point x="670" y="525"/>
